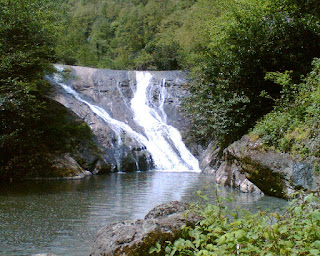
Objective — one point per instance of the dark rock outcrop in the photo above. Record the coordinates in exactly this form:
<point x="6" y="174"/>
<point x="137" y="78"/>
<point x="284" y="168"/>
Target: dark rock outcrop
<point x="248" y="166"/>
<point x="81" y="158"/>
<point x="135" y="238"/>
<point x="67" y="150"/>
<point x="209" y="158"/>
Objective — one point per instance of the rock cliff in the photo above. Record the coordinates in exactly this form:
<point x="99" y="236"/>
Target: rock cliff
<point x="79" y="159"/>
<point x="113" y="91"/>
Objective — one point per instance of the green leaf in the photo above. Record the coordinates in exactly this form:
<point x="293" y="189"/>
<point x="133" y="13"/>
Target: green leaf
<point x="239" y="234"/>
<point x="314" y="252"/>
<point x="156" y="249"/>
<point x="283" y="229"/>
<point x="288" y="244"/>
<point x="221" y="240"/>
<point x="210" y="247"/>
<point x="316" y="215"/>
<point x="316" y="244"/>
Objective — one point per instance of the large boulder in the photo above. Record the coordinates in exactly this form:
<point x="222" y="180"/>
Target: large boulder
<point x="249" y="166"/>
<point x="135" y="238"/>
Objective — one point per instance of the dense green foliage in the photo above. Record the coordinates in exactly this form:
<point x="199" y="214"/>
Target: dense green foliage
<point x="229" y="45"/>
<point x="118" y="34"/>
<point x="250" y="39"/>
<point x="31" y="125"/>
<point x="145" y="34"/>
<point x="293" y="126"/>
<point x="294" y="231"/>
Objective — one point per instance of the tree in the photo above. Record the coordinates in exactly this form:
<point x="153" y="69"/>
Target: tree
<point x="249" y="40"/>
<point x="26" y="50"/>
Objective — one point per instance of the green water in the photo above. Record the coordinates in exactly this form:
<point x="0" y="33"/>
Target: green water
<point x="62" y="217"/>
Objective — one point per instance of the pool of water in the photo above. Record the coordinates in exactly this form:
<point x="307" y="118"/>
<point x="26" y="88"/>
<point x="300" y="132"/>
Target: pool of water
<point x="63" y="217"/>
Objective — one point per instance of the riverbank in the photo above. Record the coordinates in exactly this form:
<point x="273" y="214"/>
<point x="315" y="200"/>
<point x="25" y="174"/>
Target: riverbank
<point x="251" y="167"/>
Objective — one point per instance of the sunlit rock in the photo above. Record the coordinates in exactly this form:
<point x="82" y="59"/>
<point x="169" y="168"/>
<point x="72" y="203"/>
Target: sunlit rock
<point x="163" y="223"/>
<point x="136" y="116"/>
<point x="249" y="166"/>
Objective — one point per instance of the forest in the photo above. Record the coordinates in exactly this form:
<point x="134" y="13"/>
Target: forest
<point x="243" y="56"/>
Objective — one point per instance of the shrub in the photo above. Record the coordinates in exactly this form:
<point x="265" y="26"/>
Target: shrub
<point x="295" y="231"/>
<point x="294" y="125"/>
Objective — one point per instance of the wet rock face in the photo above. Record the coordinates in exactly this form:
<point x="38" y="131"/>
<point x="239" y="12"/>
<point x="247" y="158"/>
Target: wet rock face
<point x="248" y="166"/>
<point x="161" y="224"/>
<point x="113" y="90"/>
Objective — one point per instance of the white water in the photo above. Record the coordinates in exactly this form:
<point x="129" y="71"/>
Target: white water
<point x="117" y="126"/>
<point x="162" y="141"/>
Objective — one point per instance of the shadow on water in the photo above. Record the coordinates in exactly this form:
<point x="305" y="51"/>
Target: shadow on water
<point x="62" y="217"/>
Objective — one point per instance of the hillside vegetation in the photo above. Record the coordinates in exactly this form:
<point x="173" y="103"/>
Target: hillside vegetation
<point x="294" y="124"/>
<point x="293" y="231"/>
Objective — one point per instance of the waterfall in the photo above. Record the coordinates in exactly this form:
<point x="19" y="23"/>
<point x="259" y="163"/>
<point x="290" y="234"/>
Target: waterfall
<point x="161" y="140"/>
<point x="164" y="141"/>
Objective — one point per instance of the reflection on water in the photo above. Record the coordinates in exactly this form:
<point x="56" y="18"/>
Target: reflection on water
<point x="62" y="217"/>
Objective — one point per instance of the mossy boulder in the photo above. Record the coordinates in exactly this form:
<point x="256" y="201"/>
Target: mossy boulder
<point x="135" y="238"/>
<point x="274" y="173"/>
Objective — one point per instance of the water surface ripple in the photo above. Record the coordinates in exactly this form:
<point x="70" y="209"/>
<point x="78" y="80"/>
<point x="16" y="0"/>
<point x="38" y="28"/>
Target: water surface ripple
<point x="63" y="217"/>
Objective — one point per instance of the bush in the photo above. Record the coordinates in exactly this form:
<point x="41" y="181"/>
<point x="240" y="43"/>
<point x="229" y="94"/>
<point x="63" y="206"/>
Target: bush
<point x="294" y="124"/>
<point x="31" y="125"/>
<point x="295" y="231"/>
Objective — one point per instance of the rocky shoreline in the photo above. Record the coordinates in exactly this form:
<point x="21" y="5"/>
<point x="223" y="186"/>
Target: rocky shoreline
<point x="247" y="165"/>
<point x="130" y="238"/>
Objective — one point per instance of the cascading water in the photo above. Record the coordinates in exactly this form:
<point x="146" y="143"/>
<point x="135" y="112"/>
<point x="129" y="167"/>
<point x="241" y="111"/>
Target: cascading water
<point x="164" y="141"/>
<point x="161" y="140"/>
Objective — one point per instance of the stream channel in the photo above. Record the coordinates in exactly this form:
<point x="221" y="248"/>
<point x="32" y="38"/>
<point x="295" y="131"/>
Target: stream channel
<point x="63" y="217"/>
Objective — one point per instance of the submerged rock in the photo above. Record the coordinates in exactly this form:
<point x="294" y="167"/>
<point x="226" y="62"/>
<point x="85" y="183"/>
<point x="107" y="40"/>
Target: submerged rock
<point x="163" y="223"/>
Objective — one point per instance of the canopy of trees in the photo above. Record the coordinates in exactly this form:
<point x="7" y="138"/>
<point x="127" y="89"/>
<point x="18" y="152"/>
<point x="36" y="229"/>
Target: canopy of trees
<point x="249" y="40"/>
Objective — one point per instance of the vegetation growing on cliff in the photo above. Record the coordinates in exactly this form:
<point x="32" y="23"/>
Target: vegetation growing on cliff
<point x="250" y="39"/>
<point x="294" y="124"/>
<point x="228" y="45"/>
<point x="223" y="232"/>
